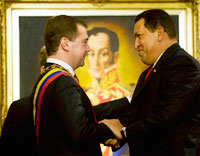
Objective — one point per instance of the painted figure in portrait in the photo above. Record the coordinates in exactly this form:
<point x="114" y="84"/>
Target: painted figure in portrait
<point x="105" y="83"/>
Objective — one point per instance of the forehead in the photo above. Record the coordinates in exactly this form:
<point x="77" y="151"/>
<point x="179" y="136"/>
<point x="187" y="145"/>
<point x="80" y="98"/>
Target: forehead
<point x="139" y="26"/>
<point x="100" y="39"/>
<point x="81" y="31"/>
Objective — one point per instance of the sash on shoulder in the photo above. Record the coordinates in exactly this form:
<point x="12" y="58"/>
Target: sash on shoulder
<point x="52" y="72"/>
<point x="39" y="92"/>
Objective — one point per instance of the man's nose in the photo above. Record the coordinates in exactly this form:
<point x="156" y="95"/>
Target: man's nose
<point x="96" y="60"/>
<point x="87" y="48"/>
<point x="136" y="43"/>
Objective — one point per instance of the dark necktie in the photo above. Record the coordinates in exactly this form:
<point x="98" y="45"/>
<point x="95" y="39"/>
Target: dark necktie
<point x="149" y="71"/>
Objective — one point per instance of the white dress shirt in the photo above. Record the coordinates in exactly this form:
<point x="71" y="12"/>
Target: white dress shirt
<point x="61" y="63"/>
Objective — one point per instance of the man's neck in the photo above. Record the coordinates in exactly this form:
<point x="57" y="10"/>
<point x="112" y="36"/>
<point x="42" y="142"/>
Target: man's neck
<point x="168" y="43"/>
<point x="61" y="63"/>
<point x="163" y="47"/>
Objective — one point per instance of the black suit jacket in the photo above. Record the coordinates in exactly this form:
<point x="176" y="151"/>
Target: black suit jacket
<point x="18" y="133"/>
<point x="67" y="125"/>
<point x="193" y="141"/>
<point x="158" y="119"/>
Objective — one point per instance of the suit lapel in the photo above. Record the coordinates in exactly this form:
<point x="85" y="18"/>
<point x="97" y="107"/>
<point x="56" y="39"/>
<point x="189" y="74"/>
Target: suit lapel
<point x="142" y="83"/>
<point x="166" y="56"/>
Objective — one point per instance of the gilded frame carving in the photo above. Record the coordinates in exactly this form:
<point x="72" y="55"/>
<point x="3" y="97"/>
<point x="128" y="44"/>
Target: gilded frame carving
<point x="187" y="11"/>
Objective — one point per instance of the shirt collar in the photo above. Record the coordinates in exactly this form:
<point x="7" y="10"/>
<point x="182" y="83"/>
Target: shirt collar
<point x="157" y="59"/>
<point x="61" y="63"/>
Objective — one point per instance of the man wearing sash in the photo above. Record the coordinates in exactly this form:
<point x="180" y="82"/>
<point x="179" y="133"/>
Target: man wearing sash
<point x="64" y="119"/>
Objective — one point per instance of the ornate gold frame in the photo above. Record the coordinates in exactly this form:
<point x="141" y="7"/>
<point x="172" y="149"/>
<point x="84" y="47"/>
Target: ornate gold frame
<point x="190" y="10"/>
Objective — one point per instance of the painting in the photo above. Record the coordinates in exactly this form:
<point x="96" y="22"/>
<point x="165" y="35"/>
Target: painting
<point x="112" y="66"/>
<point x="26" y="40"/>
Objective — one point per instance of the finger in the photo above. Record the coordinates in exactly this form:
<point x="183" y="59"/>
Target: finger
<point x="104" y="121"/>
<point x="111" y="142"/>
<point x="108" y="141"/>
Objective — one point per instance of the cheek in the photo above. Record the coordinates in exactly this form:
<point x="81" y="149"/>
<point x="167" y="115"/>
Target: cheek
<point x="90" y="60"/>
<point x="147" y="45"/>
<point x="105" y="59"/>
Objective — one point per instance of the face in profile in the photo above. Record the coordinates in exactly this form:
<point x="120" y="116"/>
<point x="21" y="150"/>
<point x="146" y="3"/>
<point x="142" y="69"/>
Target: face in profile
<point x="145" y="42"/>
<point x="79" y="47"/>
<point x="100" y="54"/>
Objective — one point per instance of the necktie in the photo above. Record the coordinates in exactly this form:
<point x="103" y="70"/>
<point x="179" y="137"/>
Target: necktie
<point x="149" y="71"/>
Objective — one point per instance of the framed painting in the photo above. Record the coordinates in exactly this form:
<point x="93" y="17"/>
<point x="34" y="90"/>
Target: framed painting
<point x="25" y="38"/>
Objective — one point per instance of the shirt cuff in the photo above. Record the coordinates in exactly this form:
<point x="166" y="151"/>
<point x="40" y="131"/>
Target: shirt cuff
<point x="128" y="98"/>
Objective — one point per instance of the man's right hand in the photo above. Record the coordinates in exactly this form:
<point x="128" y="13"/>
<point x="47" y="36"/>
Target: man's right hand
<point x="114" y="125"/>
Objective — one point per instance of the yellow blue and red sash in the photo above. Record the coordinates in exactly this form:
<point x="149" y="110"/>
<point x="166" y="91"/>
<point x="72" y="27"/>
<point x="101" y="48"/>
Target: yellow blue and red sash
<point x="39" y="92"/>
<point x="52" y="72"/>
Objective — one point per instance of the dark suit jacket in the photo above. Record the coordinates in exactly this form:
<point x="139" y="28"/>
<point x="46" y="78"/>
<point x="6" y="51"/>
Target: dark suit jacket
<point x="193" y="141"/>
<point x="18" y="133"/>
<point x="67" y="125"/>
<point x="158" y="119"/>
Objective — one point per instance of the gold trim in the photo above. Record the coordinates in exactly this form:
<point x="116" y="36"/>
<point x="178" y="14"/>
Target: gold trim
<point x="3" y="62"/>
<point x="97" y="1"/>
<point x="1" y="85"/>
<point x="196" y="12"/>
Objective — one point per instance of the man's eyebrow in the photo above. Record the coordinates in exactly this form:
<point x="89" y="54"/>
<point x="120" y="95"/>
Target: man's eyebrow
<point x="137" y="34"/>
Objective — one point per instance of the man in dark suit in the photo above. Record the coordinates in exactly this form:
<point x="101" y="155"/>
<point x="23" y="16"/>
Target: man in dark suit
<point x="158" y="120"/>
<point x="18" y="133"/>
<point x="63" y="116"/>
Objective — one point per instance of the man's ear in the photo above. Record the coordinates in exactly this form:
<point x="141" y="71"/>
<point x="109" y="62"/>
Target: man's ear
<point x="115" y="56"/>
<point x="64" y="42"/>
<point x="160" y="33"/>
<point x="41" y="69"/>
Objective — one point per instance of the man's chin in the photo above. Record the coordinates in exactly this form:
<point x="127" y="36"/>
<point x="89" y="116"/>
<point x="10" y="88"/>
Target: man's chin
<point x="96" y="75"/>
<point x="82" y="64"/>
<point x="144" y="61"/>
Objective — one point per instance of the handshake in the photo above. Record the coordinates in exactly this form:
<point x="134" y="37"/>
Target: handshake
<point x="118" y="130"/>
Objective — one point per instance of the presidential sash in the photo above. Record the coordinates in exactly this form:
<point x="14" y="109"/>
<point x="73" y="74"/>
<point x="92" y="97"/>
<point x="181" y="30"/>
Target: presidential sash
<point x="52" y="72"/>
<point x="39" y="92"/>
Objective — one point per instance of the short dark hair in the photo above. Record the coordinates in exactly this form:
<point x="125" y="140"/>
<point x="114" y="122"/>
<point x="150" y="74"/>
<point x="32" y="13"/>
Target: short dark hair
<point x="57" y="27"/>
<point x="157" y="17"/>
<point x="113" y="38"/>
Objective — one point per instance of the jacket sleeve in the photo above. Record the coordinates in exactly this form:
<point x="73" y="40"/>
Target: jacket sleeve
<point x="177" y="85"/>
<point x="71" y="110"/>
<point x="194" y="132"/>
<point x="110" y="109"/>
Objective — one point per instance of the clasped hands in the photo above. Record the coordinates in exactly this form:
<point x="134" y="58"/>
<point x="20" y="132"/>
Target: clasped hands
<point x="115" y="126"/>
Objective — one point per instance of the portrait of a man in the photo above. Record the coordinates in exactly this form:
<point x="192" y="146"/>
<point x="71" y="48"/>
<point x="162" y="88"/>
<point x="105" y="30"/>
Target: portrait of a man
<point x="103" y="54"/>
